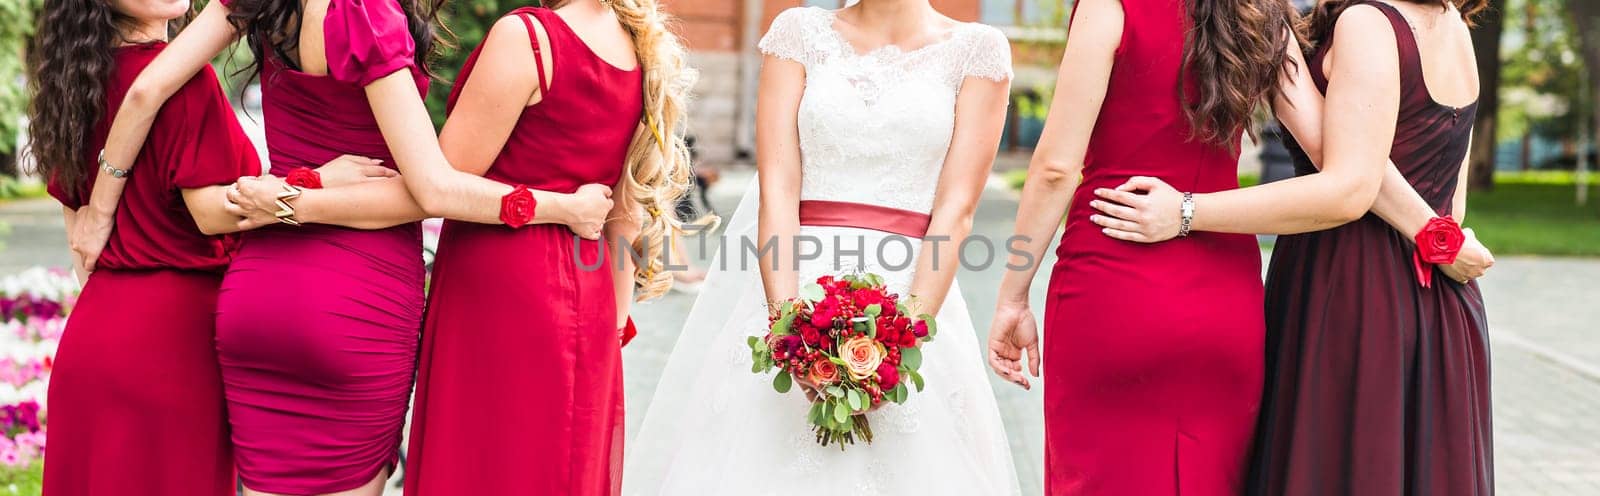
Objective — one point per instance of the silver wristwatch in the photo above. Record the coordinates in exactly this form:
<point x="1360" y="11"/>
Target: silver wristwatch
<point x="112" y="171"/>
<point x="1187" y="211"/>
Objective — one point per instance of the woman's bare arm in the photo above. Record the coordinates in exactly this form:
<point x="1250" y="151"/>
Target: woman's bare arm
<point x="980" y="117"/>
<point x="70" y="218"/>
<point x="778" y="163"/>
<point x="503" y="84"/>
<point x="1053" y="175"/>
<point x="1365" y="85"/>
<point x="1301" y="109"/>
<point x="622" y="226"/>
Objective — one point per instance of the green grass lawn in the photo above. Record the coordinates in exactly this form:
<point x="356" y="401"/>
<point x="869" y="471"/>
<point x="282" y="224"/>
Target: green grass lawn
<point x="1533" y="215"/>
<point x="11" y="188"/>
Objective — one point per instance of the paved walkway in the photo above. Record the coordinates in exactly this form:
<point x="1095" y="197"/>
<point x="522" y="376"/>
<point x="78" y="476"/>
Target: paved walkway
<point x="1543" y="315"/>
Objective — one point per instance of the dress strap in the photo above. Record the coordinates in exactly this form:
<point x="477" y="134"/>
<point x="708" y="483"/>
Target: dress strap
<point x="538" y="59"/>
<point x="1405" y="39"/>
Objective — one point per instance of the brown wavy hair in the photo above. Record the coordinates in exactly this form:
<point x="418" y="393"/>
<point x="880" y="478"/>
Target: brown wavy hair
<point x="275" y="25"/>
<point x="1236" y="52"/>
<point x="1320" y="23"/>
<point x="71" y="56"/>
<point x="658" y="170"/>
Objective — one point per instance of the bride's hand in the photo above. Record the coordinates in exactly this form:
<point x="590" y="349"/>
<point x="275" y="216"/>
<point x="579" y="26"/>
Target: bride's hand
<point x="1142" y="210"/>
<point x="815" y="394"/>
<point x="1013" y="332"/>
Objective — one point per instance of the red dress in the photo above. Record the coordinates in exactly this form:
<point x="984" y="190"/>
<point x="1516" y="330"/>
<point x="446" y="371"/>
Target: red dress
<point x="317" y="325"/>
<point x="1378" y="385"/>
<point x="1152" y="351"/>
<point x="135" y="396"/>
<point x="519" y="389"/>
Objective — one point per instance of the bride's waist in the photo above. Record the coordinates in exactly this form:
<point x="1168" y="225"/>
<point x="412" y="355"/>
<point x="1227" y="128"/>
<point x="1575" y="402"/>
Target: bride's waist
<point x="826" y="248"/>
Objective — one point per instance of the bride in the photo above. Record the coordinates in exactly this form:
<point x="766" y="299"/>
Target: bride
<point x="876" y="128"/>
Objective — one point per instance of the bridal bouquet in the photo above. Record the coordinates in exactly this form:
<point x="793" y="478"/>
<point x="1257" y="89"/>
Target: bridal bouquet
<point x="852" y="343"/>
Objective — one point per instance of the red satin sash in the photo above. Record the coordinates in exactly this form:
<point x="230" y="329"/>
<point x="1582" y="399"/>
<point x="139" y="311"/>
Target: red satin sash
<point x="863" y="216"/>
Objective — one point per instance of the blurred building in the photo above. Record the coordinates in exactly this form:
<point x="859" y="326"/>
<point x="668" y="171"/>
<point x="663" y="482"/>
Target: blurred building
<point x="722" y="37"/>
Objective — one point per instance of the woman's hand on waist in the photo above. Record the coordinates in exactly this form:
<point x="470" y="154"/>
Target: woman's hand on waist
<point x="352" y="169"/>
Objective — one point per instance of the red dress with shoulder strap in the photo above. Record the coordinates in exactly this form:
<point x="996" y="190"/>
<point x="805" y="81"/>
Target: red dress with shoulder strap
<point x="1152" y="352"/>
<point x="519" y="389"/>
<point x="1377" y="385"/>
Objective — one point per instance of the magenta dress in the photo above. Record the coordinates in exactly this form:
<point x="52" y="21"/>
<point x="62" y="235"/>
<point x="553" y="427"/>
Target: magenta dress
<point x="1152" y="352"/>
<point x="317" y="326"/>
<point x="135" y="396"/>
<point x="519" y="390"/>
<point x="1377" y="385"/>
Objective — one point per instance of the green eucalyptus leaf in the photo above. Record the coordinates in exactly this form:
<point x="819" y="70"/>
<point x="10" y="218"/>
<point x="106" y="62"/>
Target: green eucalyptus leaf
<point x="854" y="398"/>
<point x="811" y="292"/>
<point x="873" y="310"/>
<point x="916" y="379"/>
<point x="911" y="358"/>
<point x="782" y="382"/>
<point x="841" y="412"/>
<point x="836" y="391"/>
<point x="785" y="324"/>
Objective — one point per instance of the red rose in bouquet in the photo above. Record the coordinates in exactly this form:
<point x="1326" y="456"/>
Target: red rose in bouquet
<point x="852" y="341"/>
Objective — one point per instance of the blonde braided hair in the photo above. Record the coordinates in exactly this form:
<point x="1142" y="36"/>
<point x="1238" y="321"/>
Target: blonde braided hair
<point x="658" y="171"/>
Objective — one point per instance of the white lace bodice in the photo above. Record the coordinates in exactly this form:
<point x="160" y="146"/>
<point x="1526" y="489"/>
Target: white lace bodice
<point x="875" y="127"/>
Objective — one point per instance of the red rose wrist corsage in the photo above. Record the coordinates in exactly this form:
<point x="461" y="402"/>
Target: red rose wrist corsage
<point x="628" y="332"/>
<point x="1437" y="244"/>
<point x="516" y="208"/>
<point x="304" y="177"/>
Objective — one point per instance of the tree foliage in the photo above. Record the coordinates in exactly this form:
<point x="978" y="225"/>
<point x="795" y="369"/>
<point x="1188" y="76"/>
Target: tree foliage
<point x="16" y="25"/>
<point x="470" y="20"/>
<point x="1542" y="90"/>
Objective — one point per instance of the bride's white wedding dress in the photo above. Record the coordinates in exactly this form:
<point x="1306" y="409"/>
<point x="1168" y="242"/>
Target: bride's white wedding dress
<point x="874" y="129"/>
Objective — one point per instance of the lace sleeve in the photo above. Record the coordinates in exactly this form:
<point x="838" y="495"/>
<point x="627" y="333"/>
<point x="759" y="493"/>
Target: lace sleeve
<point x="790" y="36"/>
<point x="991" y="55"/>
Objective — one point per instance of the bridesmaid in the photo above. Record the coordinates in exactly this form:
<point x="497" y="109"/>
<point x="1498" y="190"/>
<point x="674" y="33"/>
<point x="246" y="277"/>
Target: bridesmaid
<point x="519" y="389"/>
<point x="1399" y="401"/>
<point x="317" y="324"/>
<point x="1378" y="365"/>
<point x="1154" y="382"/>
<point x="135" y="398"/>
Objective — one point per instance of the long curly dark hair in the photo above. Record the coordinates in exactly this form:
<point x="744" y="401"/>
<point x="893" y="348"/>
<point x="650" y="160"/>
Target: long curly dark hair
<point x="70" y="58"/>
<point x="275" y="25"/>
<point x="1320" y="23"/>
<point x="1236" y="52"/>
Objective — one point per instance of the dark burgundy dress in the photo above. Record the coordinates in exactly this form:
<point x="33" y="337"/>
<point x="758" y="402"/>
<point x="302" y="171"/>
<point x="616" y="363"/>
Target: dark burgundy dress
<point x="1376" y="385"/>
<point x="135" y="395"/>
<point x="519" y="389"/>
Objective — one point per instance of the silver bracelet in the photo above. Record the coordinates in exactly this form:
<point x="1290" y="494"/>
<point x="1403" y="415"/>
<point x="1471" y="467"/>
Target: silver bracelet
<point x="1187" y="211"/>
<point x="112" y="171"/>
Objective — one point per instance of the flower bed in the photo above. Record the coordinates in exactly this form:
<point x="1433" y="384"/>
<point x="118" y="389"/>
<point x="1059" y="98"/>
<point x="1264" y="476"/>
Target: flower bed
<point x="33" y="312"/>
